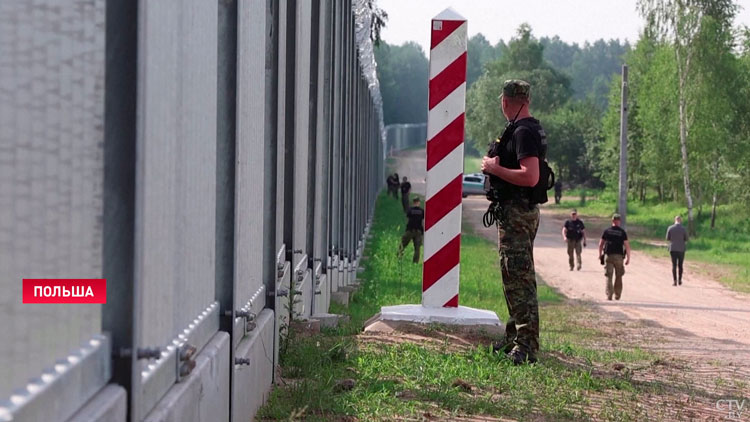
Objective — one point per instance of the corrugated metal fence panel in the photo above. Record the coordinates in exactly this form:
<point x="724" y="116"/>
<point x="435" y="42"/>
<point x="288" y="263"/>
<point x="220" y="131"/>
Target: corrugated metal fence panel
<point x="302" y="135"/>
<point x="250" y="171"/>
<point x="176" y="170"/>
<point x="51" y="169"/>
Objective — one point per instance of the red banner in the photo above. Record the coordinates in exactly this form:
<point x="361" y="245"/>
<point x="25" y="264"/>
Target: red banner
<point x="64" y="290"/>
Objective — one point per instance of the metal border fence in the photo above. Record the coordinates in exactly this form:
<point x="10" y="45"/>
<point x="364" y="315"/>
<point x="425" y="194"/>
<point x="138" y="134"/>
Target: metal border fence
<point x="217" y="162"/>
<point x="401" y="136"/>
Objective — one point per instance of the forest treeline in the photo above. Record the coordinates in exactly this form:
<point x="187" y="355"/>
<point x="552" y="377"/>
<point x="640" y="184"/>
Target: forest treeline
<point x="689" y="107"/>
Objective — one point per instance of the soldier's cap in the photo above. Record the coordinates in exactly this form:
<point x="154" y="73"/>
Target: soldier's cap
<point x="516" y="88"/>
<point x="616" y="216"/>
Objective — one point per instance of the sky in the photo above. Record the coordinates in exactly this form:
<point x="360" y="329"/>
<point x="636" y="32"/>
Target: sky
<point x="572" y="20"/>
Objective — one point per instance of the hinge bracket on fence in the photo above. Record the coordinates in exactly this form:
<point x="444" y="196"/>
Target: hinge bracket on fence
<point x="186" y="360"/>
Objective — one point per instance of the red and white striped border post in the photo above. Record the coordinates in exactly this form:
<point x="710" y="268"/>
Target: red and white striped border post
<point x="445" y="160"/>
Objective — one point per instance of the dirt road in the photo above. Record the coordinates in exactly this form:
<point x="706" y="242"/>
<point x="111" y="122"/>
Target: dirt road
<point x="705" y="319"/>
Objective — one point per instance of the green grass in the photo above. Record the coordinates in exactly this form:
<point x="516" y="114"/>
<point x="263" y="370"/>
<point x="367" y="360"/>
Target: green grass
<point x="409" y="379"/>
<point x="472" y="164"/>
<point x="728" y="244"/>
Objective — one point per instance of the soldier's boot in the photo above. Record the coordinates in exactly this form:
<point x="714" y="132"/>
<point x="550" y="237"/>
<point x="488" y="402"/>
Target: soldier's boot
<point x="503" y="346"/>
<point x="519" y="357"/>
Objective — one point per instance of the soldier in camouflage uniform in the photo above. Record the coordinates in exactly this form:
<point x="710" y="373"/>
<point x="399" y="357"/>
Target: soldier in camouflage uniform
<point x="518" y="220"/>
<point x="414" y="230"/>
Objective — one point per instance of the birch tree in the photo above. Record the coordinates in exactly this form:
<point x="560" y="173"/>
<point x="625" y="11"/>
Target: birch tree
<point x="679" y="22"/>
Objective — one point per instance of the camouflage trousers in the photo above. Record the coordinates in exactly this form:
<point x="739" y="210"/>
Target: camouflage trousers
<point x="517" y="229"/>
<point x="411" y="236"/>
<point x="613" y="263"/>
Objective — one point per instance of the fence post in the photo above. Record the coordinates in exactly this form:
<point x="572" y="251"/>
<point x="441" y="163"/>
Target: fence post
<point x="120" y="317"/>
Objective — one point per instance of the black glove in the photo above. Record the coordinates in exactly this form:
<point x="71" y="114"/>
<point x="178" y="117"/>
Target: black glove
<point x="601" y="259"/>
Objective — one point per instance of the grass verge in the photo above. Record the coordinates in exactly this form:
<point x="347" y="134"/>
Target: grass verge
<point x="728" y="244"/>
<point x="400" y="378"/>
<point x="472" y="164"/>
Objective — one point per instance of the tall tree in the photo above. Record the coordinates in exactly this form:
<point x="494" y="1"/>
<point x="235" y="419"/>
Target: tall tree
<point x="680" y="22"/>
<point x="590" y="67"/>
<point x="720" y="112"/>
<point x="742" y="167"/>
<point x="573" y="127"/>
<point x="523" y="59"/>
<point x="480" y="52"/>
<point x="403" y="75"/>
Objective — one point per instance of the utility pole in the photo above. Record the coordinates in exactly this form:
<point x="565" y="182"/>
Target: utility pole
<point x="622" y="205"/>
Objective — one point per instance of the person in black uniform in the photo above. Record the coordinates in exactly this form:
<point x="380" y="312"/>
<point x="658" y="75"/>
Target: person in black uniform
<point x="405" y="189"/>
<point x="414" y="230"/>
<point x="558" y="191"/>
<point x="613" y="248"/>
<point x="393" y="184"/>
<point x="574" y="233"/>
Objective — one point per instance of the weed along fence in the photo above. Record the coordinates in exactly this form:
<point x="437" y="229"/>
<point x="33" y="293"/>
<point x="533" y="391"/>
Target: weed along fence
<point x="216" y="162"/>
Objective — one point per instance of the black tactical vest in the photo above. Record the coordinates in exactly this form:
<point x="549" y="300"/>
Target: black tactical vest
<point x="501" y="190"/>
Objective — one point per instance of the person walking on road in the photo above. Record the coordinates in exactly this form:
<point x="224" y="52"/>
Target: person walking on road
<point x="405" y="189"/>
<point x="514" y="171"/>
<point x="677" y="237"/>
<point x="574" y="233"/>
<point x="613" y="248"/>
<point x="414" y="230"/>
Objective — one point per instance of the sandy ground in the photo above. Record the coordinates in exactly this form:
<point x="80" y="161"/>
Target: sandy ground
<point x="701" y="319"/>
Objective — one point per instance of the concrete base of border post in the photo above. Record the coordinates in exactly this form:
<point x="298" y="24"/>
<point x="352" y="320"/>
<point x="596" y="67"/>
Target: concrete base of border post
<point x="462" y="315"/>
